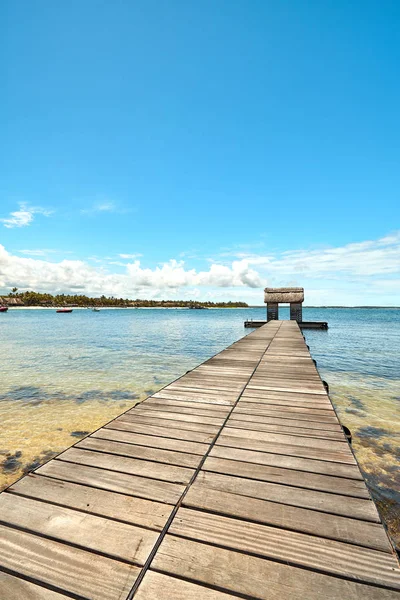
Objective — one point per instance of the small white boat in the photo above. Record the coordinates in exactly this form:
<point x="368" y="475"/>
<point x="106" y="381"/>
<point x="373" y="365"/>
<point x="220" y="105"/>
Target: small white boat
<point x="94" y="309"/>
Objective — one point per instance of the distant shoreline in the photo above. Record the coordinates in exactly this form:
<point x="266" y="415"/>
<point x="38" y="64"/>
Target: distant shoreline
<point x="187" y="308"/>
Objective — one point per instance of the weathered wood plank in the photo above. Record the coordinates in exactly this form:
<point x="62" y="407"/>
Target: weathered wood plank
<point x="151" y="440"/>
<point x="152" y="489"/>
<point x="288" y="462"/>
<point x="347" y="506"/>
<point x="127" y="464"/>
<point x="284" y="429"/>
<point x="156" y="430"/>
<point x="264" y="579"/>
<point x="14" y="588"/>
<point x="339" y="446"/>
<point x="324" y="483"/>
<point x="288" y="449"/>
<point x="329" y="556"/>
<point x="336" y="527"/>
<point x="180" y="459"/>
<point x="309" y="425"/>
<point x="142" y="411"/>
<point x="136" y="511"/>
<point x="156" y="586"/>
<point x="191" y="409"/>
<point x="218" y="409"/>
<point x="284" y="412"/>
<point x="117" y="540"/>
<point x="147" y="419"/>
<point x="67" y="568"/>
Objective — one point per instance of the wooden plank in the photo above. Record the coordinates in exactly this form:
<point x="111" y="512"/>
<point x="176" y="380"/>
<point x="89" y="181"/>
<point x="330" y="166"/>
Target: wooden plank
<point x="191" y="409"/>
<point x="287" y="449"/>
<point x="288" y="462"/>
<point x="310" y="425"/>
<point x="162" y="422"/>
<point x="324" y="483"/>
<point x="215" y="384"/>
<point x="347" y="506"/>
<point x="295" y="410"/>
<point x="70" y="569"/>
<point x="128" y="509"/>
<point x="151" y="440"/>
<point x="121" y="541"/>
<point x="292" y="439"/>
<point x="127" y="464"/>
<point x="284" y="429"/>
<point x="176" y="434"/>
<point x="180" y="459"/>
<point x="254" y="402"/>
<point x="208" y="399"/>
<point x="284" y="385"/>
<point x="178" y="417"/>
<point x="328" y="556"/>
<point x="362" y="533"/>
<point x="152" y="489"/>
<point x="264" y="579"/>
<point x="199" y="390"/>
<point x="14" y="588"/>
<point x="220" y="410"/>
<point x="282" y="412"/>
<point x="156" y="586"/>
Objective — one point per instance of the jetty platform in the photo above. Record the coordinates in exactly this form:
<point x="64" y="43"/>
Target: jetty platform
<point x="254" y="324"/>
<point x="235" y="481"/>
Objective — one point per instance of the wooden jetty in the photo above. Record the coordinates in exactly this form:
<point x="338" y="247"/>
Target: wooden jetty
<point x="235" y="481"/>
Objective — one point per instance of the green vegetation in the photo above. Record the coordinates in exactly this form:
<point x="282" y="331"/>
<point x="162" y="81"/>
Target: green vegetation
<point x="30" y="298"/>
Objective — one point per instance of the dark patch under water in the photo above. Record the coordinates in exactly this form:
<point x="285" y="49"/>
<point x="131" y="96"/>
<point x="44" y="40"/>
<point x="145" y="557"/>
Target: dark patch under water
<point x="79" y="434"/>
<point x="38" y="461"/>
<point x="12" y="463"/>
<point x="356" y="402"/>
<point x="35" y="395"/>
<point x="372" y="432"/>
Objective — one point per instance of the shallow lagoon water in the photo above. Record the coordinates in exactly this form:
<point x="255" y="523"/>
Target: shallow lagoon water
<point x="64" y="375"/>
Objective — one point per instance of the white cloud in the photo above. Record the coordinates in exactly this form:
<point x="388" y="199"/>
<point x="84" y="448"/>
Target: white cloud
<point x="105" y="207"/>
<point x="42" y="275"/>
<point x="356" y="273"/>
<point x="101" y="207"/>
<point x="24" y="216"/>
<point x="369" y="258"/>
<point x="39" y="252"/>
<point x="130" y="256"/>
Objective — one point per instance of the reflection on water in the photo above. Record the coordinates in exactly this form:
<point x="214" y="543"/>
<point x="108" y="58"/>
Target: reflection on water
<point x="63" y="376"/>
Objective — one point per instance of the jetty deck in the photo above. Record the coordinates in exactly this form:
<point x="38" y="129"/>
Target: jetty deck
<point x="235" y="481"/>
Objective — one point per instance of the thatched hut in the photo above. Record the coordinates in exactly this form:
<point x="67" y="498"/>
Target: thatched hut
<point x="11" y="301"/>
<point x="275" y="296"/>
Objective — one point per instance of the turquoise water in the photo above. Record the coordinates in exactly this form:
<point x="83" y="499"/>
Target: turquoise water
<point x="65" y="374"/>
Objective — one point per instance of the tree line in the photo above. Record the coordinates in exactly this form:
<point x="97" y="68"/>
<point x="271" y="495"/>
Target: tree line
<point x="30" y="298"/>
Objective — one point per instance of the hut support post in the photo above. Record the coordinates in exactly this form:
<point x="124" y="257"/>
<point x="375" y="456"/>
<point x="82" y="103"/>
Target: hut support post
<point x="296" y="311"/>
<point x="272" y="311"/>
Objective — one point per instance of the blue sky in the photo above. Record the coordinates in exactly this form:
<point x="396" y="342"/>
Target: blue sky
<point x="201" y="149"/>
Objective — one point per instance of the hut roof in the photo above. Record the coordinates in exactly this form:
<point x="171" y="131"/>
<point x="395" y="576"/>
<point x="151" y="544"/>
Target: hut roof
<point x="284" y="294"/>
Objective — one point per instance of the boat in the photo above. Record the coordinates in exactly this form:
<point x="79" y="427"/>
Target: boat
<point x="64" y="310"/>
<point x="3" y="308"/>
<point x="94" y="309"/>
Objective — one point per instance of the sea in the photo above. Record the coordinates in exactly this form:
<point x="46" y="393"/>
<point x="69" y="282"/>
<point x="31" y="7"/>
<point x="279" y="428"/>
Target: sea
<point x="64" y="375"/>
